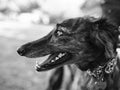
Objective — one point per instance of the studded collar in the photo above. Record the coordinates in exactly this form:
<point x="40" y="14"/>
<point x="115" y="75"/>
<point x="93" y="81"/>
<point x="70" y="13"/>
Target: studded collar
<point x="108" y="68"/>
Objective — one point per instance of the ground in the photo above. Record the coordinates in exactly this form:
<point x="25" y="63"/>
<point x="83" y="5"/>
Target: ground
<point x="16" y="72"/>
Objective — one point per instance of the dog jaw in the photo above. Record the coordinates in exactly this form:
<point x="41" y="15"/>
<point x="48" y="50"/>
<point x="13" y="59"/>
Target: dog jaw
<point x="53" y="61"/>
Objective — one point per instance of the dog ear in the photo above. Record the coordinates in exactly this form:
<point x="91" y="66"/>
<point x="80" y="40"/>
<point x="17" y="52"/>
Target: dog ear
<point x="104" y="36"/>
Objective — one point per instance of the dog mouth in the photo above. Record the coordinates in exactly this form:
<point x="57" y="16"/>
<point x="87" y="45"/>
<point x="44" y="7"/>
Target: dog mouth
<point x="54" y="60"/>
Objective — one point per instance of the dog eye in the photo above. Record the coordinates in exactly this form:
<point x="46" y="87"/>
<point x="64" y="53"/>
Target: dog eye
<point x="59" y="33"/>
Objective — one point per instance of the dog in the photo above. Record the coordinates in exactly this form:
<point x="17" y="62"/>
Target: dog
<point x="111" y="10"/>
<point x="87" y="46"/>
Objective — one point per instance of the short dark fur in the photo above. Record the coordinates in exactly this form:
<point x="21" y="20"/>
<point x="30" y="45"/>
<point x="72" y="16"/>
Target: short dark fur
<point x="111" y="10"/>
<point x="91" y="42"/>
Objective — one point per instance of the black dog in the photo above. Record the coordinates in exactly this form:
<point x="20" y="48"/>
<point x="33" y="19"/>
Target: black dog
<point x="88" y="43"/>
<point x="111" y="10"/>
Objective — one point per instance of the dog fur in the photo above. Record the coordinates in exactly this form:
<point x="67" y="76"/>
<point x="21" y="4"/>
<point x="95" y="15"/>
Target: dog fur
<point x="88" y="42"/>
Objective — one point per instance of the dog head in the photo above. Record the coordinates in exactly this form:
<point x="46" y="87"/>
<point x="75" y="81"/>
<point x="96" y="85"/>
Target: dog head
<point x="85" y="42"/>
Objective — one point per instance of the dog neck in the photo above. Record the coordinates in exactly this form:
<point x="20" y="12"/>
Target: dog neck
<point x="100" y="73"/>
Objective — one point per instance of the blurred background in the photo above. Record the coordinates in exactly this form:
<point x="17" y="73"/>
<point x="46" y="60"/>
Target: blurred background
<point x="22" y="21"/>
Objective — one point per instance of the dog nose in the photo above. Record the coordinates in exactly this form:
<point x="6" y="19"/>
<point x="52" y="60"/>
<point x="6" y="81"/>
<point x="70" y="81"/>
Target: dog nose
<point x="21" y="51"/>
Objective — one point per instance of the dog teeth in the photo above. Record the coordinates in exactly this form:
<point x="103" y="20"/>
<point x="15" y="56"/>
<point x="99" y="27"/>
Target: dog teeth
<point x="56" y="58"/>
<point x="59" y="33"/>
<point x="36" y="62"/>
<point x="52" y="60"/>
<point x="61" y="55"/>
<point x="37" y="65"/>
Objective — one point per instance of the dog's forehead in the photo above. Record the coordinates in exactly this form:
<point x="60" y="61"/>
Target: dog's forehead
<point x="70" y="22"/>
<point x="73" y="24"/>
